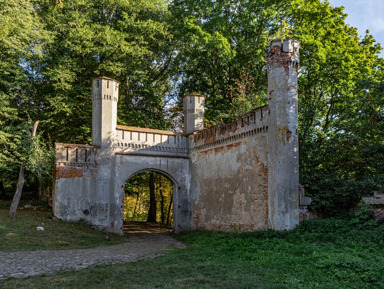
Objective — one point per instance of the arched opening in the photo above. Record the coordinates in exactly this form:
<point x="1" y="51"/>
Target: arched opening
<point x="148" y="203"/>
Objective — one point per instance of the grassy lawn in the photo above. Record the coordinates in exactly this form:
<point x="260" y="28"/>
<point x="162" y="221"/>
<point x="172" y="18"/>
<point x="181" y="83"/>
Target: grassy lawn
<point x="20" y="234"/>
<point x="332" y="253"/>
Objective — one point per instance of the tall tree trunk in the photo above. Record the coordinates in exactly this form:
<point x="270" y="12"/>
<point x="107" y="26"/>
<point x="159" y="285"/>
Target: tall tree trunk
<point x="17" y="196"/>
<point x="169" y="209"/>
<point x="2" y="189"/>
<point x="137" y="201"/>
<point x="152" y="199"/>
<point x="161" y="202"/>
<point x="20" y="183"/>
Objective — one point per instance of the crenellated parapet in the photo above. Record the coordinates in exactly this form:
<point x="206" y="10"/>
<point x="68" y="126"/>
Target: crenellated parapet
<point x="135" y="140"/>
<point x="76" y="155"/>
<point x="254" y="123"/>
<point x="105" y="88"/>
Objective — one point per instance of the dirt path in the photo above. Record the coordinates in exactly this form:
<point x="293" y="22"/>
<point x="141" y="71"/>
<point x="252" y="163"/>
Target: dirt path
<point x="142" y="244"/>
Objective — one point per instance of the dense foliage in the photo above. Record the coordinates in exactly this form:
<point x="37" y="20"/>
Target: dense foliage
<point x="21" y="35"/>
<point x="340" y="114"/>
<point x="159" y="50"/>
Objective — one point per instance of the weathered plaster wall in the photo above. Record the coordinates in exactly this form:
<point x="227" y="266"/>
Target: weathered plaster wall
<point x="229" y="170"/>
<point x="75" y="190"/>
<point x="245" y="175"/>
<point x="83" y="186"/>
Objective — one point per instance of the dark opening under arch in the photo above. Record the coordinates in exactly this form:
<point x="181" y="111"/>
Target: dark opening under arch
<point x="148" y="202"/>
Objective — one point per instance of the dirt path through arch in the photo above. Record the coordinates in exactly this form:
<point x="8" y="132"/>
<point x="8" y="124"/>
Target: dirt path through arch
<point x="140" y="245"/>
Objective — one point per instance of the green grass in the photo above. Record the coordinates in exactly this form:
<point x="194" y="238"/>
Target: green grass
<point x="332" y="253"/>
<point x="20" y="234"/>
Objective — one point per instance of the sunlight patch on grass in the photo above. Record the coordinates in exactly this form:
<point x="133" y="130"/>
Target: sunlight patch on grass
<point x="21" y="234"/>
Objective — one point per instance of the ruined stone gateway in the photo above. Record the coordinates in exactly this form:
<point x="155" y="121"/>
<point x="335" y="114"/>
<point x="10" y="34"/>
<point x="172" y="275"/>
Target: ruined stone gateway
<point x="243" y="176"/>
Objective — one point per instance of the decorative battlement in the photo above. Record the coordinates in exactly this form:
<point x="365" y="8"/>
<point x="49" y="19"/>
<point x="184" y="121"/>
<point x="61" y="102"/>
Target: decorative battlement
<point x="105" y="88"/>
<point x="283" y="52"/>
<point x="143" y="140"/>
<point x="76" y="155"/>
<point x="252" y="123"/>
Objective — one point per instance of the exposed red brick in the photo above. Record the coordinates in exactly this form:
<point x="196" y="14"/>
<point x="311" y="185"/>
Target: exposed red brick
<point x="222" y="148"/>
<point x="276" y="55"/>
<point x="68" y="173"/>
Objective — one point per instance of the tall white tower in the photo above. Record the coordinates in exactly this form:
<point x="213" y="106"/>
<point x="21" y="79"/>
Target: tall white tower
<point x="283" y="143"/>
<point x="194" y="107"/>
<point x="105" y="94"/>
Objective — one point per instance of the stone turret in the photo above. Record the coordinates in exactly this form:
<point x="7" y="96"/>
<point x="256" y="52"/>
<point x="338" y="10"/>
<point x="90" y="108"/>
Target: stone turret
<point x="105" y="94"/>
<point x="194" y="107"/>
<point x="283" y="156"/>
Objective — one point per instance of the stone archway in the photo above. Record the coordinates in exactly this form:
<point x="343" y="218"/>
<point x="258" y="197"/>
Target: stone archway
<point x="90" y="184"/>
<point x="175" y="169"/>
<point x="148" y="202"/>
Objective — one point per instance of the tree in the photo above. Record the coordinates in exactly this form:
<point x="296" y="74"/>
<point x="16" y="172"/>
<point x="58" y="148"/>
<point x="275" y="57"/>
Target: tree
<point x="222" y="55"/>
<point x="334" y="61"/>
<point x="349" y="163"/>
<point x="222" y="52"/>
<point x="125" y="40"/>
<point x="20" y="183"/>
<point x="21" y="35"/>
<point x="50" y="52"/>
<point x="152" y="211"/>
